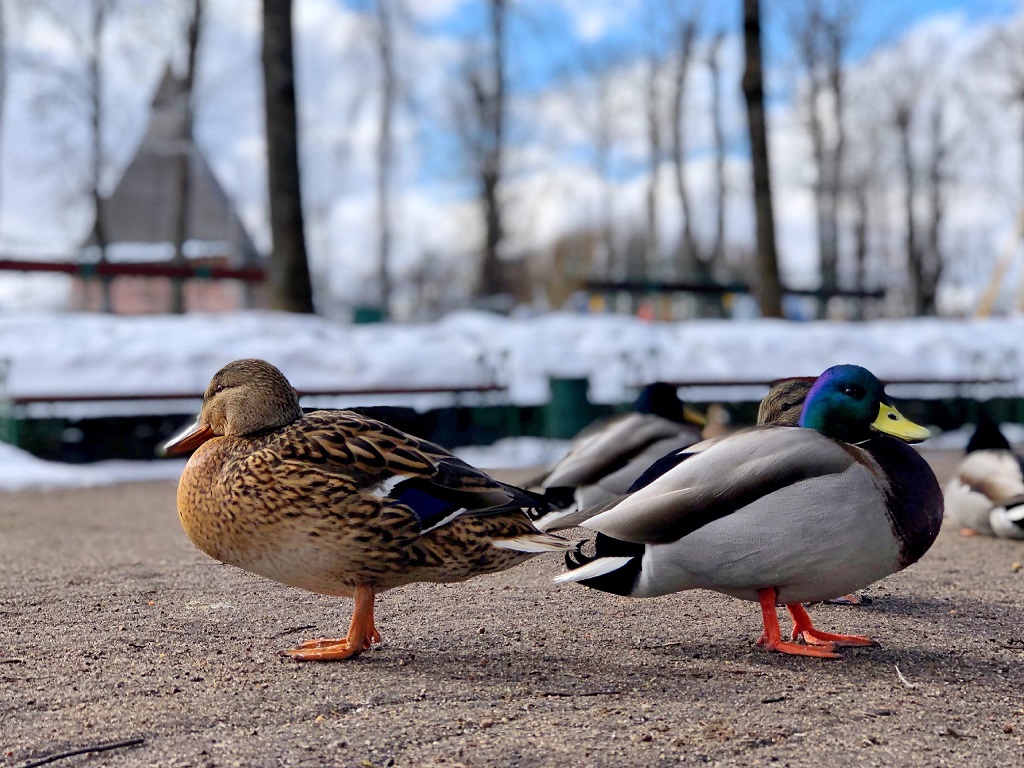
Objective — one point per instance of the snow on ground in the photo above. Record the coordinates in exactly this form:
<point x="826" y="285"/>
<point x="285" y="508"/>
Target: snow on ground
<point x="85" y="353"/>
<point x="20" y="470"/>
<point x="78" y="354"/>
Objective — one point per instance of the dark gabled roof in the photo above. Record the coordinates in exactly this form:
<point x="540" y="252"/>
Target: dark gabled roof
<point x="143" y="208"/>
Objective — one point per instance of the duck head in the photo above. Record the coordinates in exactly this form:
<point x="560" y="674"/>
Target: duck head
<point x="245" y="397"/>
<point x="849" y="403"/>
<point x="662" y="399"/>
<point x="785" y="401"/>
<point x="987" y="436"/>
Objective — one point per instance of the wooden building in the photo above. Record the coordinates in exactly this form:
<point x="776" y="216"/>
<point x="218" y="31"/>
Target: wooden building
<point x="141" y="223"/>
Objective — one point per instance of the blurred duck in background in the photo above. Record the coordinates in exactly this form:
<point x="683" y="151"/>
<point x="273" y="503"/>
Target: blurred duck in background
<point x="778" y="516"/>
<point x="608" y="455"/>
<point x="985" y="496"/>
<point x="781" y="406"/>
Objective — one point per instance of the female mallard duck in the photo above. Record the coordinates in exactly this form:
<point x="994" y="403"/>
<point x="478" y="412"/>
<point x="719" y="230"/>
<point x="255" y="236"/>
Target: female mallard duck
<point x="338" y="504"/>
<point x="607" y="456"/>
<point x="779" y="515"/>
<point x="986" y="494"/>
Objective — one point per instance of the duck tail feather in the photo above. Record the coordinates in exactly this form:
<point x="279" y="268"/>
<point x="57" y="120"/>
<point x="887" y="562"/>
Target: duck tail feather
<point x="584" y="568"/>
<point x="534" y="543"/>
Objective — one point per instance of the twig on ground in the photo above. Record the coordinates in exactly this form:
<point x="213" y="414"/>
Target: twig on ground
<point x="85" y="750"/>
<point x="904" y="680"/>
<point x="294" y="630"/>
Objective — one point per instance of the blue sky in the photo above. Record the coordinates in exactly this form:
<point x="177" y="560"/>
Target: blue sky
<point x="545" y="35"/>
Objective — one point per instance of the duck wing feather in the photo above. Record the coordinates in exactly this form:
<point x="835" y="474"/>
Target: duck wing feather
<point x="725" y="477"/>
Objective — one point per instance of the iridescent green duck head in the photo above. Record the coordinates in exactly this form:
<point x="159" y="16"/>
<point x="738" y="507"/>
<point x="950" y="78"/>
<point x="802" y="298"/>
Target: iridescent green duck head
<point x="245" y="397"/>
<point x="849" y="403"/>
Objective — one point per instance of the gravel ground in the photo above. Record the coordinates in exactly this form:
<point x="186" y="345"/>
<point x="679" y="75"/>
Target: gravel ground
<point x="113" y="627"/>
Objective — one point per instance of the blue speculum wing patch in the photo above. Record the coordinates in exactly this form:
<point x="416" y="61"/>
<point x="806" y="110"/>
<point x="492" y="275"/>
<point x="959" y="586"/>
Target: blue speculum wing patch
<point x="428" y="507"/>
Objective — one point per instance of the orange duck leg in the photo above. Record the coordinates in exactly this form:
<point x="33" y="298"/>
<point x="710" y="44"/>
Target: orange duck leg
<point x="802" y="627"/>
<point x="772" y="640"/>
<point x="361" y="635"/>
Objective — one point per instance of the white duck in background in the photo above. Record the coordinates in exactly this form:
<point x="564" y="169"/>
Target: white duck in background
<point x="986" y="494"/>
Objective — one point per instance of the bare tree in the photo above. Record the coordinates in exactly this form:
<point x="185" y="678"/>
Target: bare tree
<point x="3" y="83"/>
<point x="1003" y="57"/>
<point x="481" y="123"/>
<point x="821" y="31"/>
<point x="937" y="176"/>
<point x="917" y="103"/>
<point x="903" y="113"/>
<point x="385" y="45"/>
<point x="289" y="268"/>
<point x="769" y="288"/>
<point x="94" y="93"/>
<point x="652" y="114"/>
<point x="714" y="64"/>
<point x="185" y="150"/>
<point x="690" y="257"/>
<point x="599" y="108"/>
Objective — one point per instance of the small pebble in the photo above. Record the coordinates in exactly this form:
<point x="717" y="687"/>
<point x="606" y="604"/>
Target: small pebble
<point x="1007" y="728"/>
<point x="1015" y="567"/>
<point x="486" y="723"/>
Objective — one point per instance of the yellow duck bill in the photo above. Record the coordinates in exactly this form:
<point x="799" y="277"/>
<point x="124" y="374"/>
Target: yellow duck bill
<point x="892" y="422"/>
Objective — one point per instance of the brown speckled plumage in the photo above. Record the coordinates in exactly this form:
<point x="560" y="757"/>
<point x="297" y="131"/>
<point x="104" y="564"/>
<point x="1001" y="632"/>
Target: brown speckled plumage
<point x="317" y="501"/>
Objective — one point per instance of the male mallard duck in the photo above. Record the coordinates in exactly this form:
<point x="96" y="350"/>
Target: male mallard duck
<point x="986" y="494"/>
<point x="779" y="515"/>
<point x="780" y="406"/>
<point x="337" y="503"/>
<point x="607" y="456"/>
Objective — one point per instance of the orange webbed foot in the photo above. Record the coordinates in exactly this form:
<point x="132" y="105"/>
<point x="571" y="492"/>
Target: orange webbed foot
<point x="969" y="532"/>
<point x="362" y="633"/>
<point x="771" y="639"/>
<point x="849" y="600"/>
<point x="802" y="627"/>
<point x="325" y="650"/>
<point x="818" y="650"/>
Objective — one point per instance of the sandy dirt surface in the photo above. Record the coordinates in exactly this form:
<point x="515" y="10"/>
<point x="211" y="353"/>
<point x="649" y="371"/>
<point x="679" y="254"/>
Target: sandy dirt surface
<point x="112" y="627"/>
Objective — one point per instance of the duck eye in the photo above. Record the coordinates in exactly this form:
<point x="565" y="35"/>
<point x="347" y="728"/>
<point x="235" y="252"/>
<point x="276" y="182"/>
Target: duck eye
<point x="218" y="388"/>
<point x="854" y="391"/>
<point x="786" y="406"/>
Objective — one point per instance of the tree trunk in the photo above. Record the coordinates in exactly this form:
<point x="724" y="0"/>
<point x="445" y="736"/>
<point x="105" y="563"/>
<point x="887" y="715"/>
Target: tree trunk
<point x="718" y="129"/>
<point x="181" y="224"/>
<point x="490" y="104"/>
<point x="915" y="265"/>
<point x="3" y="80"/>
<point x="651" y="249"/>
<point x="290" y="286"/>
<point x="861" y="227"/>
<point x="838" y="35"/>
<point x="99" y="228"/>
<point x="385" y="149"/>
<point x="769" y="288"/>
<point x="690" y="261"/>
<point x="932" y="270"/>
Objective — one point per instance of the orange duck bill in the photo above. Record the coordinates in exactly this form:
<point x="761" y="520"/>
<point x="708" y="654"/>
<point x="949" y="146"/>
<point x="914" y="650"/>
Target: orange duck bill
<point x="818" y="643"/>
<point x="188" y="439"/>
